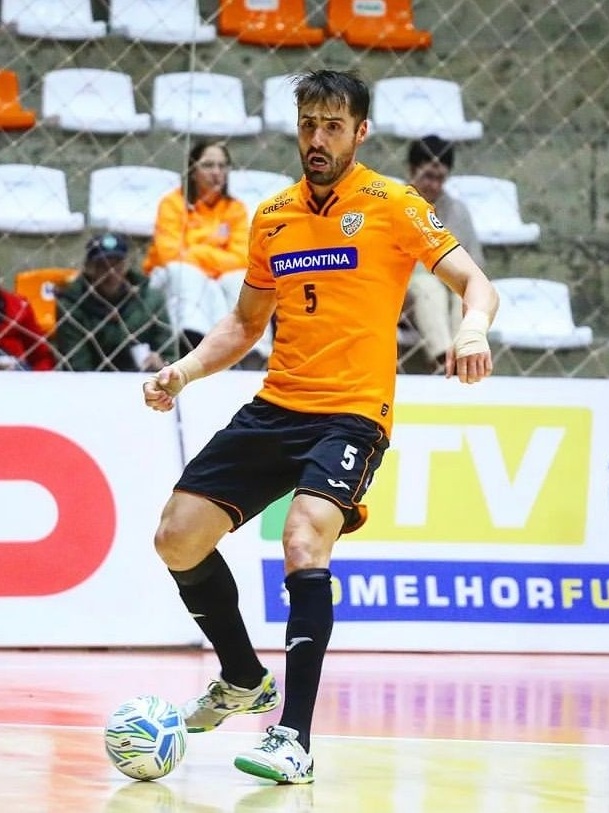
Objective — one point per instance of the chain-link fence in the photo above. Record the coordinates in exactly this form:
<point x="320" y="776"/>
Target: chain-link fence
<point x="534" y="74"/>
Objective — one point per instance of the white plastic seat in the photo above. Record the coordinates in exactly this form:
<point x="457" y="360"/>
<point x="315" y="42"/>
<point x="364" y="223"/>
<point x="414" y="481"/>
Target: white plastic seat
<point x="93" y="100"/>
<point x="279" y="105"/>
<point x="52" y="19"/>
<point x="413" y="107"/>
<point x="168" y="21"/>
<point x="535" y="314"/>
<point x="252" y="186"/>
<point x="493" y="205"/>
<point x="202" y="103"/>
<point x="126" y="198"/>
<point x="34" y="200"/>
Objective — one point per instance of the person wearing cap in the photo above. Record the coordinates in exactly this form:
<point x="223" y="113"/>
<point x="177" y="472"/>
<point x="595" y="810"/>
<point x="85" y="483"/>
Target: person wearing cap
<point x="436" y="311"/>
<point x="109" y="317"/>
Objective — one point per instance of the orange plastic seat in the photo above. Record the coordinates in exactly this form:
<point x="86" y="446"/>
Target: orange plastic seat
<point x="38" y="287"/>
<point x="283" y="24"/>
<point x="390" y="27"/>
<point x="12" y="115"/>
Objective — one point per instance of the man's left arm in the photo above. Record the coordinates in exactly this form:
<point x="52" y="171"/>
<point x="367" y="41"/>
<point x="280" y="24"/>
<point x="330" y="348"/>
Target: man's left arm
<point x="470" y="356"/>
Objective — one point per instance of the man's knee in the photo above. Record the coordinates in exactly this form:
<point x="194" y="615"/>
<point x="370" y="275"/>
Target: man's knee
<point x="169" y="543"/>
<point x="189" y="530"/>
<point x="179" y="544"/>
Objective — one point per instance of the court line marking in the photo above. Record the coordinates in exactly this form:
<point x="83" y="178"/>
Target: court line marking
<point x="348" y="737"/>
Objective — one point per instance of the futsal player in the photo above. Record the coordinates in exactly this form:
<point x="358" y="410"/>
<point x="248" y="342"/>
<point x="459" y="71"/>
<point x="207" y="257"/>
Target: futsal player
<point x="331" y="256"/>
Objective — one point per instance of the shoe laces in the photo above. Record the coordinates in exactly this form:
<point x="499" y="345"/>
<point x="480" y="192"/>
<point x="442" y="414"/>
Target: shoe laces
<point x="216" y="692"/>
<point x="273" y="741"/>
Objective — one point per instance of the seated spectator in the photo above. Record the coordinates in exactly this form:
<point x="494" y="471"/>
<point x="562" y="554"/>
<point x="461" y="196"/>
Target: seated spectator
<point x="23" y="345"/>
<point x="109" y="317"/>
<point x="436" y="311"/>
<point x="198" y="253"/>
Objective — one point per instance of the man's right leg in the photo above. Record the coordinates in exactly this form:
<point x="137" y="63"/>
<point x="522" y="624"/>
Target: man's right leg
<point x="190" y="528"/>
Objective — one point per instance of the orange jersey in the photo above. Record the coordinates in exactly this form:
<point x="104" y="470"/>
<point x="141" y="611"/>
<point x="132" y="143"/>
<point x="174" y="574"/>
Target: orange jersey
<point x="211" y="237"/>
<point x="340" y="271"/>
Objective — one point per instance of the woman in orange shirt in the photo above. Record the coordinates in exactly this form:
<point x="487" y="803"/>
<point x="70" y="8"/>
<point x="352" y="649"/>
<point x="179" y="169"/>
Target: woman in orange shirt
<point x="198" y="253"/>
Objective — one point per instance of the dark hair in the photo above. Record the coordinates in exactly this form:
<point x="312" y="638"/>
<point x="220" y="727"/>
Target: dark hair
<point x="431" y="148"/>
<point x="344" y="87"/>
<point x="194" y="155"/>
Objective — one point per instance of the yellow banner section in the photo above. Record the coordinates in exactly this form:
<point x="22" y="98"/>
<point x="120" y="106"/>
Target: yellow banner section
<point x="483" y="473"/>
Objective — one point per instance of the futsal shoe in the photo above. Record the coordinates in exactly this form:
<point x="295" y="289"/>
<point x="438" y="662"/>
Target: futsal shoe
<point x="222" y="700"/>
<point x="279" y="757"/>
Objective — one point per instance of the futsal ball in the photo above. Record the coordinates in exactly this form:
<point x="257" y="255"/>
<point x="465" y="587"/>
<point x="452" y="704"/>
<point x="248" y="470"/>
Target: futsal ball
<point x="145" y="737"/>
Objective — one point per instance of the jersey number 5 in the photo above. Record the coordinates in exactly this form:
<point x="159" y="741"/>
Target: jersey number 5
<point x="311" y="297"/>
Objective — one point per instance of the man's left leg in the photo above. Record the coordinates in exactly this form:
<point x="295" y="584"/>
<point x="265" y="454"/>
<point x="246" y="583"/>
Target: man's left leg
<point x="284" y="754"/>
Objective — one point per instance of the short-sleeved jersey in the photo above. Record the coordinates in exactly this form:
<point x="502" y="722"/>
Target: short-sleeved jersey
<point x="340" y="270"/>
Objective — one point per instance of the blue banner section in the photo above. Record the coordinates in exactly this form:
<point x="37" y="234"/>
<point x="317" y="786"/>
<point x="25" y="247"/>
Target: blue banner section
<point x="496" y="592"/>
<point x="320" y="259"/>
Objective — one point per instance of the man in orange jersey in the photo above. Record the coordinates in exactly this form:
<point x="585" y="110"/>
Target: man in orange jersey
<point x="332" y="255"/>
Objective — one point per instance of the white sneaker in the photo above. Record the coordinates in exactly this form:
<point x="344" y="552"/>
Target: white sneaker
<point x="279" y="757"/>
<point x="223" y="700"/>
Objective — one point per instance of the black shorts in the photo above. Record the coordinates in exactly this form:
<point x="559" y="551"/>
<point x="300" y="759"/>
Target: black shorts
<point x="267" y="451"/>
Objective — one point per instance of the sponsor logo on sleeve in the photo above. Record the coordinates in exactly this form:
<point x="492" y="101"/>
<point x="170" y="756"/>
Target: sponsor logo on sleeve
<point x="435" y="220"/>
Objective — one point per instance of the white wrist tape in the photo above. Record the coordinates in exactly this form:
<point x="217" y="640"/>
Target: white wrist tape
<point x="471" y="336"/>
<point x="189" y="367"/>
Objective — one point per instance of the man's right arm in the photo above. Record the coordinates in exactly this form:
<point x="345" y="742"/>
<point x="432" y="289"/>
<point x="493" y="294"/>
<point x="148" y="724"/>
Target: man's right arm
<point x="225" y="344"/>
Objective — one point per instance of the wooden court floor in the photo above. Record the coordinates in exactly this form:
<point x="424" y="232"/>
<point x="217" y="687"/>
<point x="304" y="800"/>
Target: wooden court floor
<point x="394" y="733"/>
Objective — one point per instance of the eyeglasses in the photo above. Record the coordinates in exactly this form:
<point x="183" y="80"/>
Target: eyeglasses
<point x="221" y="165"/>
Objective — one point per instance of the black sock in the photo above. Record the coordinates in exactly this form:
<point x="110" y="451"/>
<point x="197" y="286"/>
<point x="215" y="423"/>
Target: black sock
<point x="307" y="635"/>
<point x="210" y="594"/>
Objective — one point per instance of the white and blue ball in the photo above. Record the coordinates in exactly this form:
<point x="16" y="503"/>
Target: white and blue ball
<point x="146" y="737"/>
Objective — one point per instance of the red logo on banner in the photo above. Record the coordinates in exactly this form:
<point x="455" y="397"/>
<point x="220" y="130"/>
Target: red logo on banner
<point x="86" y="524"/>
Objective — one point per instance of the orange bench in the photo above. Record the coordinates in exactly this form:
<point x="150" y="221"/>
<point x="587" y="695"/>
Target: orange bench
<point x="387" y="25"/>
<point x="281" y="23"/>
<point x="37" y="285"/>
<point x="12" y="115"/>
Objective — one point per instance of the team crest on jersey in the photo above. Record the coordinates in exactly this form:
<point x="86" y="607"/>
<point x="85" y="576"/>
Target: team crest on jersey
<point x="351" y="223"/>
<point x="435" y="220"/>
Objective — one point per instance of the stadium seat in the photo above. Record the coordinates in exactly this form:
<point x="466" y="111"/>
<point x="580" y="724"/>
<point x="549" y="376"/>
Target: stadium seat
<point x="164" y="21"/>
<point x="12" y="115"/>
<point x="126" y="198"/>
<point x="535" y="314"/>
<point x="52" y="19"/>
<point x="38" y="285"/>
<point x="388" y="25"/>
<point x="91" y="100"/>
<point x="493" y="205"/>
<point x="202" y="103"/>
<point x="281" y="23"/>
<point x="279" y="105"/>
<point x="252" y="186"/>
<point x="414" y="106"/>
<point x="34" y="200"/>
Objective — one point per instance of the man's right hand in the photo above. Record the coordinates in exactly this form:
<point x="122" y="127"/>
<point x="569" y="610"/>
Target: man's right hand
<point x="160" y="390"/>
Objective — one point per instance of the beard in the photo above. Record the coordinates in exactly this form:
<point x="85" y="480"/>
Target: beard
<point x="327" y="176"/>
